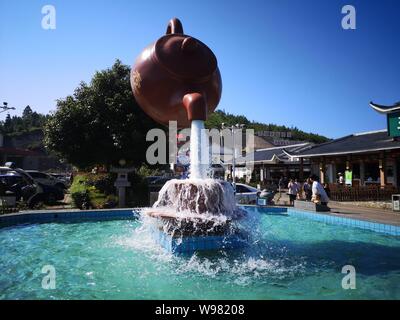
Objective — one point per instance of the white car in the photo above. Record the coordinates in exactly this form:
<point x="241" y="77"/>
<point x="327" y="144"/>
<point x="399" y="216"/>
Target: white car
<point x="246" y="194"/>
<point x="46" y="179"/>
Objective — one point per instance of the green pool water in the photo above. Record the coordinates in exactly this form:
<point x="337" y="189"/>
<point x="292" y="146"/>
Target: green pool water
<point x="287" y="258"/>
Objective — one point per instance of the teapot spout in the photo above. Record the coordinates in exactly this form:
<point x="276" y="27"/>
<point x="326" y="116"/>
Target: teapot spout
<point x="196" y="106"/>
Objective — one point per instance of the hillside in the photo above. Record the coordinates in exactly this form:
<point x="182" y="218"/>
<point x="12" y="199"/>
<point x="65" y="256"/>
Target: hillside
<point x="220" y="116"/>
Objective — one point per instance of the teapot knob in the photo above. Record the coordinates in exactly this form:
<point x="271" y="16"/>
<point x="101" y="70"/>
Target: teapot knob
<point x="174" y="26"/>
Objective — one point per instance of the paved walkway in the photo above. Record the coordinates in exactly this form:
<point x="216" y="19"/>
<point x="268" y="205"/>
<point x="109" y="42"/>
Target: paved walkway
<point x="344" y="209"/>
<point x="350" y="211"/>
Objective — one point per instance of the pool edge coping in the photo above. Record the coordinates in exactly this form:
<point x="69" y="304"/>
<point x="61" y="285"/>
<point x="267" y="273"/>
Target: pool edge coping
<point x="47" y="216"/>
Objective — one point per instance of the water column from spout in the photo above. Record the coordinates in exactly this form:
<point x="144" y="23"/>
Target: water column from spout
<point x="199" y="151"/>
<point x="196" y="108"/>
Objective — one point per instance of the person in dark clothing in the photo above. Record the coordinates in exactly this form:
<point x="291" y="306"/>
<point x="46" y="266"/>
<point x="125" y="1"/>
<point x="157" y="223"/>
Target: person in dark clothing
<point x="307" y="189"/>
<point x="327" y="190"/>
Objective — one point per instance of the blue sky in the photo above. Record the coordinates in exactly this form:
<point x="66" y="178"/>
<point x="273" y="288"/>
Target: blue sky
<point x="284" y="62"/>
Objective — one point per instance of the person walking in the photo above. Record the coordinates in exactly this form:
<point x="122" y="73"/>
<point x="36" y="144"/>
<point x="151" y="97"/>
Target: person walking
<point x="293" y="191"/>
<point x="299" y="189"/>
<point x="281" y="183"/>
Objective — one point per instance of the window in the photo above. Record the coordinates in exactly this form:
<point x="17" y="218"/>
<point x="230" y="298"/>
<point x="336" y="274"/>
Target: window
<point x="33" y="174"/>
<point x="241" y="189"/>
<point x="38" y="175"/>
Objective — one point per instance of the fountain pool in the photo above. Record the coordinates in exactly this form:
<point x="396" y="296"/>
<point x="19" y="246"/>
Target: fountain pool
<point x="290" y="257"/>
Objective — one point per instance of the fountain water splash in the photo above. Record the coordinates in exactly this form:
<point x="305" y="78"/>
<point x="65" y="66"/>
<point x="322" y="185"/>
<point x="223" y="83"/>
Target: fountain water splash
<point x="199" y="196"/>
<point x="245" y="267"/>
<point x="196" y="207"/>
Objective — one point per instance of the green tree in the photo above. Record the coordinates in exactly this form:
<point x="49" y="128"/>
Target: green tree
<point x="29" y="121"/>
<point x="7" y="126"/>
<point x="27" y="116"/>
<point x="100" y="123"/>
<point x="27" y="113"/>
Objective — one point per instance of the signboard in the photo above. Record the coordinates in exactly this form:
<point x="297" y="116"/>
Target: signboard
<point x="261" y="202"/>
<point x="274" y="134"/>
<point x="393" y="120"/>
<point x="396" y="205"/>
<point x="396" y="202"/>
<point x="348" y="177"/>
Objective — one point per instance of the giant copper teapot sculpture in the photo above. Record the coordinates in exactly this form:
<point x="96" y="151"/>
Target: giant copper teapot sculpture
<point x="177" y="78"/>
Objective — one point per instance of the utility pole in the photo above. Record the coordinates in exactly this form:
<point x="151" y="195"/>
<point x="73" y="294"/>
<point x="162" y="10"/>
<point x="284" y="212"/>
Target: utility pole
<point x="5" y="107"/>
<point x="233" y="129"/>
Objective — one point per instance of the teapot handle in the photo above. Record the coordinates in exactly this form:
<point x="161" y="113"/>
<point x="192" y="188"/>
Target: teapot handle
<point x="174" y="26"/>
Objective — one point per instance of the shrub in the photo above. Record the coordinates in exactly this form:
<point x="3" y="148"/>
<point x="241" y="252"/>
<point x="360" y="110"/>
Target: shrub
<point x="84" y="194"/>
<point x="104" y="183"/>
<point x="81" y="199"/>
<point x="138" y="192"/>
<point x="111" y="202"/>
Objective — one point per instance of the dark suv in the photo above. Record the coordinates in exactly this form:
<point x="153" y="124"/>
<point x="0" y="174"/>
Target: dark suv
<point x="17" y="182"/>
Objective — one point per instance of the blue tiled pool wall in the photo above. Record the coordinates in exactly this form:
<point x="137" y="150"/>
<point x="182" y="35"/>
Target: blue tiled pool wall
<point x="67" y="216"/>
<point x="197" y="243"/>
<point x="266" y="209"/>
<point x="329" y="218"/>
<point x="362" y="224"/>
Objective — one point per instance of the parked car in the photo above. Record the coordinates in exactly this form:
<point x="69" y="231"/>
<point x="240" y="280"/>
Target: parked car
<point x="24" y="187"/>
<point x="51" y="194"/>
<point x="64" y="177"/>
<point x="246" y="194"/>
<point x="13" y="188"/>
<point x="47" y="179"/>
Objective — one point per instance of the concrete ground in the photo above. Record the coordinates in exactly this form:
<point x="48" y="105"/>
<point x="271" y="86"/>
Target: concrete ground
<point x="345" y="209"/>
<point x="371" y="214"/>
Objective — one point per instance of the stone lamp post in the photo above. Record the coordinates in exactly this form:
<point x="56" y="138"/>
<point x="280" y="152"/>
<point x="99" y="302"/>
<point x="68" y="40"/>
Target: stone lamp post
<point x="122" y="181"/>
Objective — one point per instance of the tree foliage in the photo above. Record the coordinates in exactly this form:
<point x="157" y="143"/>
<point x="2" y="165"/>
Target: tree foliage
<point x="29" y="121"/>
<point x="100" y="123"/>
<point x="218" y="117"/>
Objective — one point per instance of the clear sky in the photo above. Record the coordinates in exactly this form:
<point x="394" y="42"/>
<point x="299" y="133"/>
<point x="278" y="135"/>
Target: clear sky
<point x="284" y="62"/>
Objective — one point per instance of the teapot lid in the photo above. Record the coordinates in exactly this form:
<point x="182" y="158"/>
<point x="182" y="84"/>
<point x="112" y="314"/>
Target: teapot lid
<point x="184" y="56"/>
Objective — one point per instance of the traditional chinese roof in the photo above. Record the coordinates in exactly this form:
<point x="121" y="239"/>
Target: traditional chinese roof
<point x="273" y="155"/>
<point x="385" y="109"/>
<point x="365" y="142"/>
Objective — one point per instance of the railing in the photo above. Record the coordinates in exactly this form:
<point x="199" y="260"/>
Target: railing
<point x="367" y="193"/>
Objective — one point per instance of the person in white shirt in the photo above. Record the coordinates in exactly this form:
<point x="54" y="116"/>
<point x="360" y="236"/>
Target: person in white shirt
<point x="318" y="192"/>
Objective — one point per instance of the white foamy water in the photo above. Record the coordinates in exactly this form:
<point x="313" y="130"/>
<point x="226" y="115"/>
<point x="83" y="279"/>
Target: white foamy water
<point x="199" y="196"/>
<point x="252" y="265"/>
<point x="199" y="152"/>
